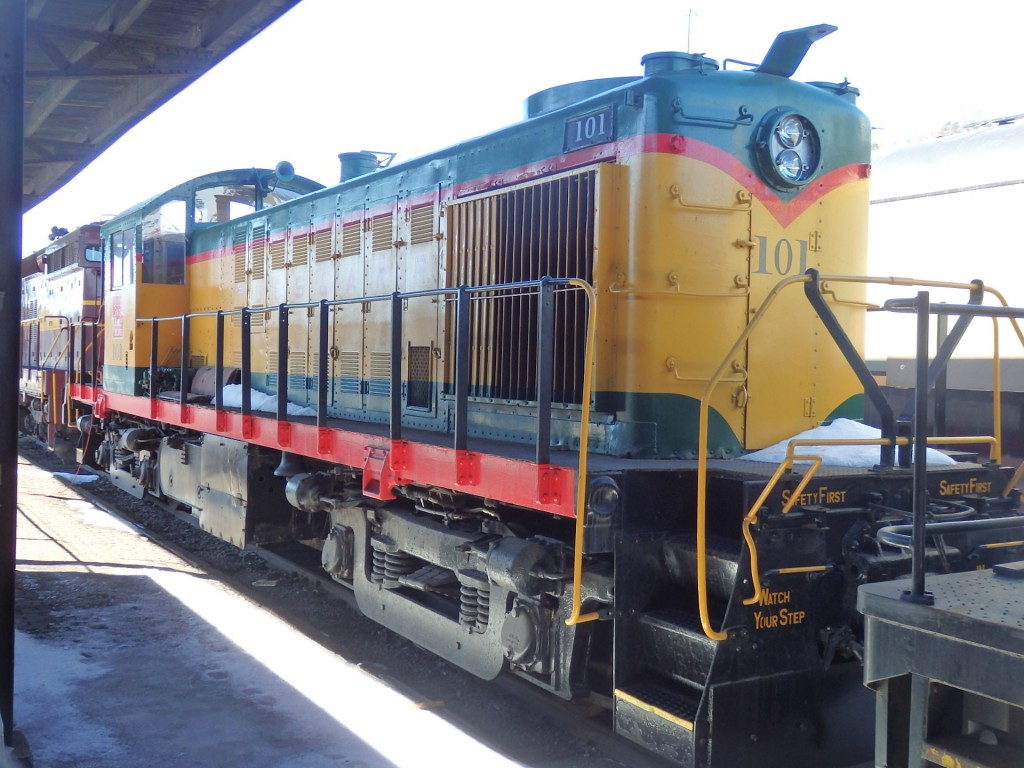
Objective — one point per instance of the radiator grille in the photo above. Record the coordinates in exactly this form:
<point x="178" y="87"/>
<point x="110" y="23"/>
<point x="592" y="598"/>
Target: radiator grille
<point x="545" y="229"/>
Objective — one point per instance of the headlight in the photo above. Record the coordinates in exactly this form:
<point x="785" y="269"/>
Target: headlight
<point x="602" y="496"/>
<point x="790" y="165"/>
<point x="790" y="130"/>
<point x="788" y="149"/>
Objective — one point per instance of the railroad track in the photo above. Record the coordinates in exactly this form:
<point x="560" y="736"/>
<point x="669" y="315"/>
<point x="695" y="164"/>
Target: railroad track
<point x="510" y="715"/>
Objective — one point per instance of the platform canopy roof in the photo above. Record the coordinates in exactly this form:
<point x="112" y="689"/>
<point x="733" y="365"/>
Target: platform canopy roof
<point x="95" y="68"/>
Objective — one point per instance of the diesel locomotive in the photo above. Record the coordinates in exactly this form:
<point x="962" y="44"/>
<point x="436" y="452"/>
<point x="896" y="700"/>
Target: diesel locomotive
<point x="515" y="391"/>
<point x="61" y="293"/>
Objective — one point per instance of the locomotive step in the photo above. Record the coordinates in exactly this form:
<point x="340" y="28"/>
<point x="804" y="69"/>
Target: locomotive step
<point x="722" y="561"/>
<point x="676" y="646"/>
<point x="659" y="715"/>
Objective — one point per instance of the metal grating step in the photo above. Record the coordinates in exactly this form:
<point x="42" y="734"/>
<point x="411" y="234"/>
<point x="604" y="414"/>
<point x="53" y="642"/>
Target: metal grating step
<point x="660" y="716"/>
<point x="723" y="557"/>
<point x="678" y="706"/>
<point x="676" y="646"/>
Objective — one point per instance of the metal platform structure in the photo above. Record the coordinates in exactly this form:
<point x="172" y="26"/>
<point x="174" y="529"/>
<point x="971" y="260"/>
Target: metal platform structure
<point x="74" y="77"/>
<point x="948" y="676"/>
<point x="95" y="68"/>
<point x="946" y="657"/>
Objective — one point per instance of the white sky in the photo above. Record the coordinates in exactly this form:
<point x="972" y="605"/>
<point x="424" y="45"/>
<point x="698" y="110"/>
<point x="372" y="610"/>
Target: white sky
<point x="411" y="77"/>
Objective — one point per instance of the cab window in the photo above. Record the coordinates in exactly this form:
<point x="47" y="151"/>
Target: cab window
<point x="121" y="249"/>
<point x="224" y="202"/>
<point x="163" y="245"/>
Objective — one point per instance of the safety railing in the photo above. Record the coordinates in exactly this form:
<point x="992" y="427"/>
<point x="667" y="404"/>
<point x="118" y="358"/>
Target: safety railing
<point x="55" y="351"/>
<point x="70" y="342"/>
<point x="91" y="346"/>
<point x="462" y="297"/>
<point x="889" y="441"/>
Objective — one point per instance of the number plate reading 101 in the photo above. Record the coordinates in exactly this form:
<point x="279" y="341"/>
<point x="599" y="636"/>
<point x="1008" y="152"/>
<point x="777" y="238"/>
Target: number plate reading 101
<point x="587" y="130"/>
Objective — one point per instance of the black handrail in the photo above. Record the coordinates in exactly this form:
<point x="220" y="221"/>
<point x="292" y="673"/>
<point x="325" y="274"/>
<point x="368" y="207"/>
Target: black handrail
<point x="923" y="307"/>
<point x="464" y="296"/>
<point x="942" y="356"/>
<point x="812" y="289"/>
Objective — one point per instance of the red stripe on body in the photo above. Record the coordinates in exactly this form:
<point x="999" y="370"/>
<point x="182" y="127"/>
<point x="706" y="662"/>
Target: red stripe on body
<point x="546" y="488"/>
<point x="783" y="211"/>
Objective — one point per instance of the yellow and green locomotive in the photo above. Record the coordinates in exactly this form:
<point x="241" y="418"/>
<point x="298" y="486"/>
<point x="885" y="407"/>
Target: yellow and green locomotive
<point x="506" y="389"/>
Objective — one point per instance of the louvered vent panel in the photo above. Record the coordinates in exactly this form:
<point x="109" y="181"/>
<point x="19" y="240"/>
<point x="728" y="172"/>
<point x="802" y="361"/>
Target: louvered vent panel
<point x="546" y="229"/>
<point x="257" y="320"/>
<point x="324" y="245"/>
<point x="348" y="370"/>
<point x="314" y="371"/>
<point x="238" y="253"/>
<point x="381" y="232"/>
<point x="296" y="370"/>
<point x="236" y="359"/>
<point x="380" y="374"/>
<point x="422" y="224"/>
<point x="277" y="254"/>
<point x="297" y="362"/>
<point x="351" y="239"/>
<point x="272" y="358"/>
<point x="259" y="251"/>
<point x="300" y="250"/>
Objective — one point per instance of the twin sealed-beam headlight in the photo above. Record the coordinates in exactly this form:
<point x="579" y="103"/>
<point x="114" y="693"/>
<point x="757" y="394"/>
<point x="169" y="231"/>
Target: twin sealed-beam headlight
<point x="788" y="149"/>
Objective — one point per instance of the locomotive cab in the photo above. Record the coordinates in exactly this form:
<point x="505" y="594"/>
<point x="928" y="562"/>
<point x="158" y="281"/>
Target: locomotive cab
<point x="146" y="250"/>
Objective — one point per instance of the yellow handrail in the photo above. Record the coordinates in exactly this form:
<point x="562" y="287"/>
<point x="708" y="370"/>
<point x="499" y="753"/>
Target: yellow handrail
<point x="702" y="454"/>
<point x="577" y="617"/>
<point x="715" y="379"/>
<point x="787" y="464"/>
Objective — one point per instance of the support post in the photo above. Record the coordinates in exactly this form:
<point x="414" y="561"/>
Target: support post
<point x="12" y="109"/>
<point x="917" y="593"/>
